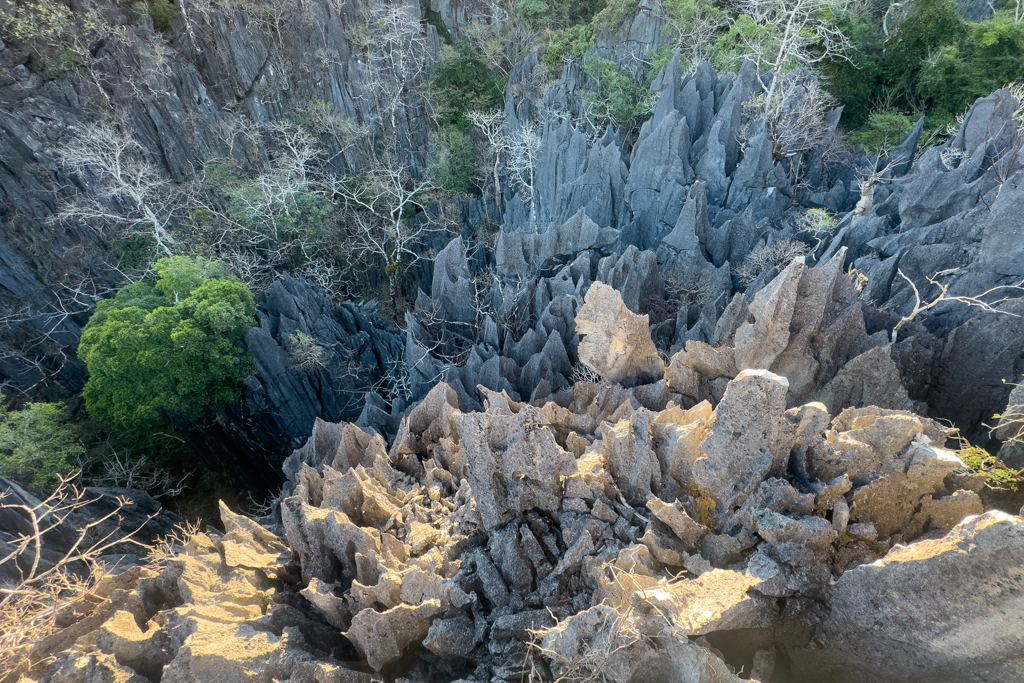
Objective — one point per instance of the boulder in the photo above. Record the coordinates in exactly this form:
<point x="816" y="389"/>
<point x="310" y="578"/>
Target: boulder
<point x="747" y="442"/>
<point x="382" y="637"/>
<point x="617" y="343"/>
<point x="514" y="463"/>
<point x="947" y="609"/>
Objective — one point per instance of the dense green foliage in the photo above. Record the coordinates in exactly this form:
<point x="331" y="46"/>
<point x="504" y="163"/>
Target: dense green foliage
<point x="162" y="11"/>
<point x="277" y="208"/>
<point x="906" y="60"/>
<point x="37" y="446"/>
<point x="462" y="83"/>
<point x="451" y="164"/>
<point x="933" y="62"/>
<point x="617" y="98"/>
<point x="567" y="44"/>
<point x="559" y="14"/>
<point x="169" y="348"/>
<point x="614" y="14"/>
<point x="883" y="131"/>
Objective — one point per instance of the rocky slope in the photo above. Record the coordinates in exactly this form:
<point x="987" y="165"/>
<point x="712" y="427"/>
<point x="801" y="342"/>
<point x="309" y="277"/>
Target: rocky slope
<point x="709" y="525"/>
<point x="701" y="187"/>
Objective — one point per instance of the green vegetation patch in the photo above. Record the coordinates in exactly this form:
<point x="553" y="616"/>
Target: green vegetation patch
<point x="997" y="475"/>
<point x="462" y="83"/>
<point x="567" y="44"/>
<point x="162" y="11"/>
<point x="617" y="99"/>
<point x="452" y="163"/>
<point x="38" y="445"/>
<point x="170" y="348"/>
<point x="614" y="15"/>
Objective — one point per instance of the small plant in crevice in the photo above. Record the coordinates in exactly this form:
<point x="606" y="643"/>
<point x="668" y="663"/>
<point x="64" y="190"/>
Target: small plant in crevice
<point x="306" y="353"/>
<point x="162" y="11"/>
<point x="997" y="475"/>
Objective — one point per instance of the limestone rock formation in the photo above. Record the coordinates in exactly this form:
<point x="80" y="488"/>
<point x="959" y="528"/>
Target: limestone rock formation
<point x="616" y="344"/>
<point x="626" y="535"/>
<point x="218" y="608"/>
<point x="938" y="610"/>
<point x="775" y="498"/>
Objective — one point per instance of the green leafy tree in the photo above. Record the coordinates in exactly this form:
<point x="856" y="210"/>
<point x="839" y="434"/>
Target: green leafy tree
<point x="928" y="27"/>
<point x="883" y="131"/>
<point x="37" y="446"/>
<point x="451" y="165"/>
<point x="462" y="83"/>
<point x="857" y="82"/>
<point x="931" y="61"/>
<point x="567" y="44"/>
<point x="616" y="99"/>
<point x="614" y="15"/>
<point x="162" y="12"/>
<point x="561" y="14"/>
<point x="698" y="24"/>
<point x="537" y="12"/>
<point x="986" y="59"/>
<point x="168" y="349"/>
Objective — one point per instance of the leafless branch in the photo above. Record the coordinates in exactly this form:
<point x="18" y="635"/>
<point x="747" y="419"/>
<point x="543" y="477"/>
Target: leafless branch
<point x="977" y="300"/>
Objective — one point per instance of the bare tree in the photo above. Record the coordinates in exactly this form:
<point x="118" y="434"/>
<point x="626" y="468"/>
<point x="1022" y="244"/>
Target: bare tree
<point x="501" y="37"/>
<point x="124" y="189"/>
<point x="121" y="470"/>
<point x="817" y="224"/>
<point x="49" y="580"/>
<point x="307" y="353"/>
<point x="398" y="54"/>
<point x="871" y="177"/>
<point x="804" y="34"/>
<point x="523" y="151"/>
<point x="273" y="215"/>
<point x="978" y="300"/>
<point x="690" y="285"/>
<point x="291" y="174"/>
<point x="492" y="126"/>
<point x="379" y="205"/>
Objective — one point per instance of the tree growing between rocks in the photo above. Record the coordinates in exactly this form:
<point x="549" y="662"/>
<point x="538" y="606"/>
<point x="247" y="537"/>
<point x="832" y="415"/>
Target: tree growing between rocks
<point x="380" y="215"/>
<point x="38" y="446"/>
<point x="398" y="55"/>
<point x="168" y="348"/>
<point x="791" y="33"/>
<point x="978" y="300"/>
<point x="523" y="150"/>
<point x="492" y="127"/>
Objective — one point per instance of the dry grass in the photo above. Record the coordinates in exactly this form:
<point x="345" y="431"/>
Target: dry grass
<point x="47" y="585"/>
<point x="777" y="254"/>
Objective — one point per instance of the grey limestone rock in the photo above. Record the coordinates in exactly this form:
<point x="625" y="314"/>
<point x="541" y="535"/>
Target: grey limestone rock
<point x="937" y="637"/>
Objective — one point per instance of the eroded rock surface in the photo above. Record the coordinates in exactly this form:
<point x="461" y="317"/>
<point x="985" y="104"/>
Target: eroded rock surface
<point x="691" y="527"/>
<point x="616" y="342"/>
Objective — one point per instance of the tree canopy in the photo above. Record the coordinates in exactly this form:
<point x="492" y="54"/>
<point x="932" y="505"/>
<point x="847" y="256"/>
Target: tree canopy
<point x="37" y="445"/>
<point x="168" y="348"/>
